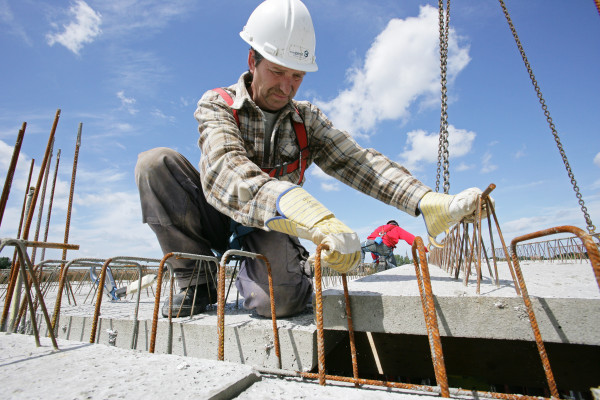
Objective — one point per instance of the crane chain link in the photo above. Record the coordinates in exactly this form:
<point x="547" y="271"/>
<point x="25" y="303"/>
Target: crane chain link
<point x="443" y="154"/>
<point x="590" y="226"/>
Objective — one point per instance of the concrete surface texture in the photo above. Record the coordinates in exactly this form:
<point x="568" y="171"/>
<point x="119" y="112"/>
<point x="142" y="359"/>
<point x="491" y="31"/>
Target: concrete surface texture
<point x="90" y="371"/>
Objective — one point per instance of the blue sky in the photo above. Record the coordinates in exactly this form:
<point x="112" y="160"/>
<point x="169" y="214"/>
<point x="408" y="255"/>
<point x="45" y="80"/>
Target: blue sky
<point x="132" y="72"/>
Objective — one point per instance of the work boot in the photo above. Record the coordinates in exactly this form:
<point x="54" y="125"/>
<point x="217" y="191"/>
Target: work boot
<point x="200" y="296"/>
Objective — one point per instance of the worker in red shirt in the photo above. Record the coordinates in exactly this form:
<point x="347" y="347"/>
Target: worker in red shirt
<point x="383" y="241"/>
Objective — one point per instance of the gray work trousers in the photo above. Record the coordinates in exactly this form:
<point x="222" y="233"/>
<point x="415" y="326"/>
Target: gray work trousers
<point x="382" y="250"/>
<point x="175" y="208"/>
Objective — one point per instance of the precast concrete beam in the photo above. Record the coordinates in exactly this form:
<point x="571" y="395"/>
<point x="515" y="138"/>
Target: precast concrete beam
<point x="565" y="297"/>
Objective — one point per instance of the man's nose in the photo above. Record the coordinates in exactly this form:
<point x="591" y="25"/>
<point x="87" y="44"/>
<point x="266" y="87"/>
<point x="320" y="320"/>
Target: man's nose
<point x="286" y="85"/>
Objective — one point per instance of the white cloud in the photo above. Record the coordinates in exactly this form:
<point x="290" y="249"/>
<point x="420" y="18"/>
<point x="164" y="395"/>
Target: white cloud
<point x="463" y="167"/>
<point x="143" y="16"/>
<point x="127" y="102"/>
<point x="486" y="163"/>
<point x="330" y="187"/>
<point x="422" y="147"/>
<point x="400" y="68"/>
<point x="159" y="114"/>
<point x="521" y="152"/>
<point x="84" y="28"/>
<point x="7" y="17"/>
<point x="597" y="159"/>
<point x="328" y="183"/>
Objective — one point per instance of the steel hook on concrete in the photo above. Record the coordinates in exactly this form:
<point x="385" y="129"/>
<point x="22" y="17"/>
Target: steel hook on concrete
<point x="221" y="301"/>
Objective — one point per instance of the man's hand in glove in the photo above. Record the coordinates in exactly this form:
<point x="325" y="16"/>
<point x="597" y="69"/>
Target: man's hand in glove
<point x="303" y="216"/>
<point x="441" y="211"/>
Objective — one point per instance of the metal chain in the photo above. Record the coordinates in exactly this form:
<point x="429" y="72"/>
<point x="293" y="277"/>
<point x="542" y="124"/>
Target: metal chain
<point x="443" y="153"/>
<point x="590" y="226"/>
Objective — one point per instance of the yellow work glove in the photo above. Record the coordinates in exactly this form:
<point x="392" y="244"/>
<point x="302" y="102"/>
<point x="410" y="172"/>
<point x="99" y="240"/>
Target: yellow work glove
<point x="304" y="217"/>
<point x="441" y="211"/>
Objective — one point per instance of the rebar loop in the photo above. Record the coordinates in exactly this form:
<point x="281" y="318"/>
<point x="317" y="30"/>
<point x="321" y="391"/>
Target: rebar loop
<point x="159" y="290"/>
<point x="433" y="331"/>
<point x="594" y="255"/>
<point x="221" y="301"/>
<point x="26" y="265"/>
<point x="123" y="260"/>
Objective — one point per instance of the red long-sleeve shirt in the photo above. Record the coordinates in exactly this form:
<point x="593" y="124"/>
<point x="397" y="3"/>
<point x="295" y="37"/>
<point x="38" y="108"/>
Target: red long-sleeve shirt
<point x="393" y="235"/>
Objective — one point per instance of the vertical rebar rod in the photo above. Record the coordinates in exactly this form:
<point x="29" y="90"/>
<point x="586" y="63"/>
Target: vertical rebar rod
<point x="350" y="330"/>
<point x="11" y="171"/>
<point x="319" y="314"/>
<point x="40" y="176"/>
<point x="46" y="172"/>
<point x="47" y="228"/>
<point x="70" y="205"/>
<point x="430" y="315"/>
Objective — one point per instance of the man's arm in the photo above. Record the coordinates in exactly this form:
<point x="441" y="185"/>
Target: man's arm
<point x="365" y="170"/>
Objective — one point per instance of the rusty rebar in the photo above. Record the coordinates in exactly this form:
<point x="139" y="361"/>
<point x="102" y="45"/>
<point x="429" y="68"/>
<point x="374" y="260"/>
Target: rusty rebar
<point x="40" y="177"/>
<point x="350" y="329"/>
<point x="221" y="302"/>
<point x="11" y="170"/>
<point x="587" y="240"/>
<point x="72" y="190"/>
<point x="221" y="309"/>
<point x="50" y="202"/>
<point x="319" y="313"/>
<point x="433" y="332"/>
<point x="504" y="248"/>
<point x="161" y="266"/>
<point x="98" y="299"/>
<point x="592" y="251"/>
<point x="62" y="276"/>
<point x="38" y="224"/>
<point x="273" y="313"/>
<point x="410" y="386"/>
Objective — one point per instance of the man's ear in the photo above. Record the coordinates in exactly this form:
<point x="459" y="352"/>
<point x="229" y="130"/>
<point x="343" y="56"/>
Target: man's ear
<point x="251" y="61"/>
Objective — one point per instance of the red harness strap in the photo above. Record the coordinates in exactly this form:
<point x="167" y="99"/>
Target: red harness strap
<point x="301" y="137"/>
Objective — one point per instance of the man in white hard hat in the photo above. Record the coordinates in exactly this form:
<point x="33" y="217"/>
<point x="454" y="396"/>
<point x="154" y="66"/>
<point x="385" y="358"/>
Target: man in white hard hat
<point x="256" y="143"/>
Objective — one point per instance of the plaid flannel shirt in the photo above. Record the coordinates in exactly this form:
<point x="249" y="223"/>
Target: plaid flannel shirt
<point x="232" y="158"/>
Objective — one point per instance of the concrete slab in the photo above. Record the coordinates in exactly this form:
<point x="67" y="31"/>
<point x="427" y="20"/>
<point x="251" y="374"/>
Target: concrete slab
<point x="89" y="371"/>
<point x="565" y="296"/>
<point x="96" y="371"/>
<point x="248" y="336"/>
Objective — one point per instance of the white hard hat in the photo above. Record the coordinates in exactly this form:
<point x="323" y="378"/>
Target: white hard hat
<point x="282" y="32"/>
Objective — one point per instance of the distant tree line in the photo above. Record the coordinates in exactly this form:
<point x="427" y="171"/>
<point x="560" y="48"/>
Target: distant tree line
<point x="5" y="263"/>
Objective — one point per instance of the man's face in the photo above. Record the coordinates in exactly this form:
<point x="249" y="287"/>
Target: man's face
<point x="273" y="86"/>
